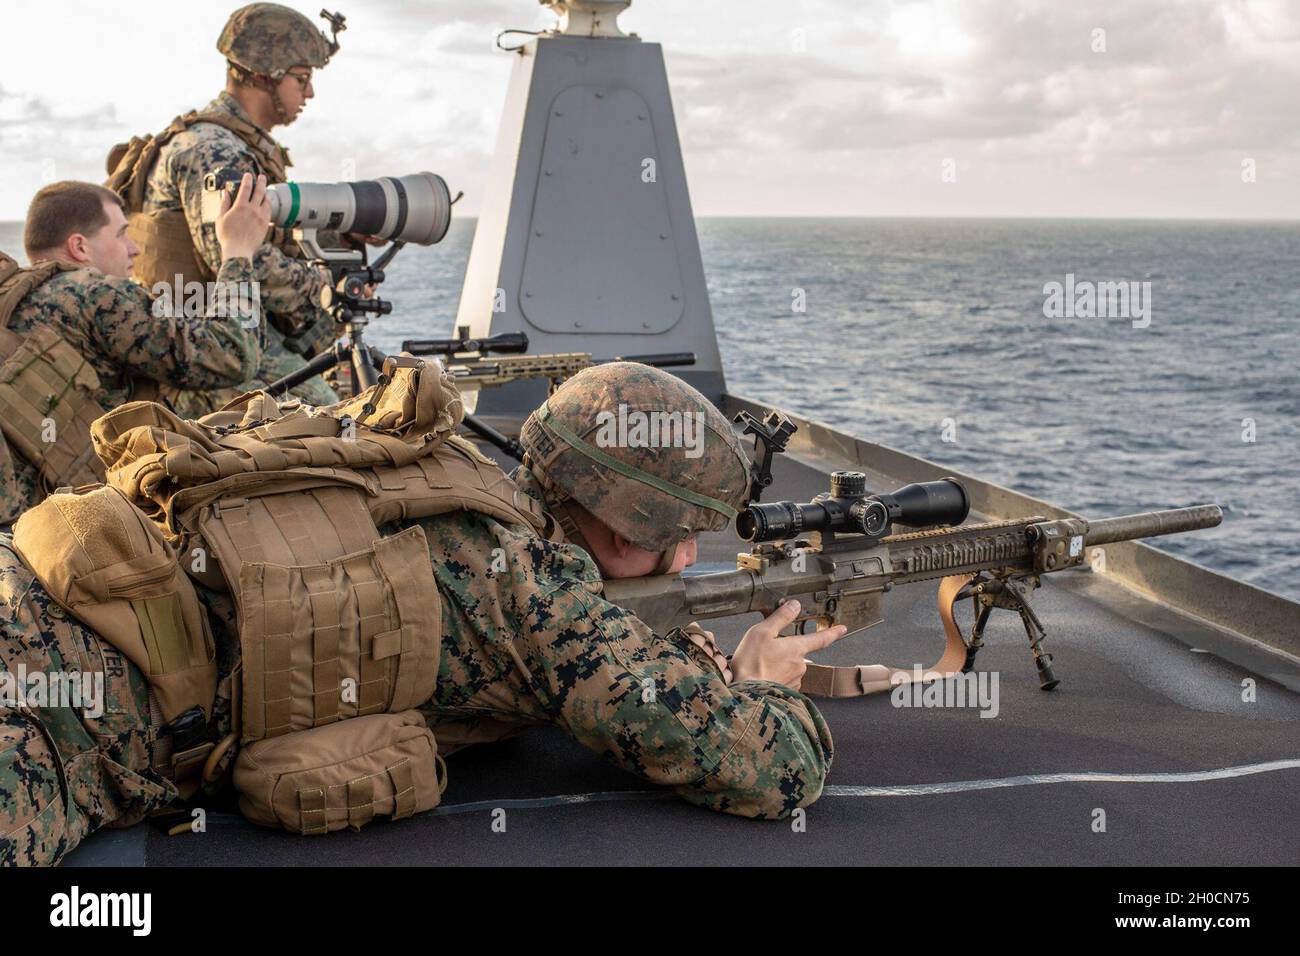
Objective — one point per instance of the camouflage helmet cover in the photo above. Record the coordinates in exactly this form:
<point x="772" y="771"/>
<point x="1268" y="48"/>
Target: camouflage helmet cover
<point x="641" y="450"/>
<point x="270" y="38"/>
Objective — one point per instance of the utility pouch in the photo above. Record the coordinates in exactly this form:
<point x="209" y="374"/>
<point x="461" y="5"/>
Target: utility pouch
<point x="356" y="635"/>
<point x="106" y="564"/>
<point x="47" y="402"/>
<point x="342" y="775"/>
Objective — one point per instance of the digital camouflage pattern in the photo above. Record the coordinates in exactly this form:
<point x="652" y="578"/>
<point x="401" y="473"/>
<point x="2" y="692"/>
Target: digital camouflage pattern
<point x="609" y="401"/>
<point x="269" y="38"/>
<point x="110" y="322"/>
<point x="66" y="770"/>
<point x="653" y="704"/>
<point x="290" y="286"/>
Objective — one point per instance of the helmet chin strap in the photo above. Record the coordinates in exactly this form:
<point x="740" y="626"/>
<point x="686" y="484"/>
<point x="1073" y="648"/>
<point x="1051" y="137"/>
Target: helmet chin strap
<point x="666" y="560"/>
<point x="267" y="84"/>
<point x="277" y="104"/>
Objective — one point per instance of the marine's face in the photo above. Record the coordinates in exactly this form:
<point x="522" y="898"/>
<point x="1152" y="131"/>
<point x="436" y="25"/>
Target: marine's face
<point x="110" y="250"/>
<point x="294" y="90"/>
<point x="620" y="558"/>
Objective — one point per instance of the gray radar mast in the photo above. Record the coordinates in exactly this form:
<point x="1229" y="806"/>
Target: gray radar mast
<point x="586" y="240"/>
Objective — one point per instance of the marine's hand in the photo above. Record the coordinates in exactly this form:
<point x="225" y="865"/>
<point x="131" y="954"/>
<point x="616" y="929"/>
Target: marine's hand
<point x="358" y="239"/>
<point x="243" y="222"/>
<point x="764" y="655"/>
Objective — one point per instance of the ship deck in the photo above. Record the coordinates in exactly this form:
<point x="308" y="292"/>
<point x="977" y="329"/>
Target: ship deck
<point x="1148" y="725"/>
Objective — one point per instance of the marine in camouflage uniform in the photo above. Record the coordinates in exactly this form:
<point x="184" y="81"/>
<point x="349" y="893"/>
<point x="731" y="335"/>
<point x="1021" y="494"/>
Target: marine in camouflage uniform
<point x="536" y="643"/>
<point x="269" y="39"/>
<point x="528" y="637"/>
<point x="67" y="771"/>
<point x="111" y="323"/>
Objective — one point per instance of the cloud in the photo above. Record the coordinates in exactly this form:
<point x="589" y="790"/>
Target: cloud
<point x="782" y="105"/>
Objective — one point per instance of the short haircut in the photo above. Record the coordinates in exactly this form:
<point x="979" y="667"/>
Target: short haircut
<point x="61" y="209"/>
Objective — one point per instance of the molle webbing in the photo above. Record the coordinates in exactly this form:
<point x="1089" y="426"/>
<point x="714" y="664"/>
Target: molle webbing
<point x="357" y="635"/>
<point x="342" y="775"/>
<point x="108" y="566"/>
<point x="456" y="477"/>
<point x="47" y="389"/>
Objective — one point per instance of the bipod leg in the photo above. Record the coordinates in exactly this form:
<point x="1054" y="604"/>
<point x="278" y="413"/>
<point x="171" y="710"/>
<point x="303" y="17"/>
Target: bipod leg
<point x="1034" y="628"/>
<point x="976" y="641"/>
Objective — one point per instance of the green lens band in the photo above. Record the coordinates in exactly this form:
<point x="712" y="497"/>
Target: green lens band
<point x="636" y="474"/>
<point x="293" y="206"/>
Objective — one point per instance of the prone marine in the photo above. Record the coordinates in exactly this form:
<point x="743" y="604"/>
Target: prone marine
<point x="311" y="604"/>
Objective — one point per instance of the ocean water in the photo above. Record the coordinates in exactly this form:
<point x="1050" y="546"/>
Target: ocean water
<point x="930" y="335"/>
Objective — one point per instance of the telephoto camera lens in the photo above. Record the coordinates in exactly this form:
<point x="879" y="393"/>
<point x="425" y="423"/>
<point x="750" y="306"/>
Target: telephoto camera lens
<point x="414" y="208"/>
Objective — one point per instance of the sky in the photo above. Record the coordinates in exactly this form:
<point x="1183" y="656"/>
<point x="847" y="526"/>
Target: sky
<point x="1073" y="108"/>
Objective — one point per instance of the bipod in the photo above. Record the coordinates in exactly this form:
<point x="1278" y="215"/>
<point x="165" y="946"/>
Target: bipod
<point x="1010" y="594"/>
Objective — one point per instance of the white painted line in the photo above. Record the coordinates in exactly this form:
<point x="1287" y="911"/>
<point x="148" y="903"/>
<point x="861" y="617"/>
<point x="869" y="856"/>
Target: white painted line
<point x="1033" y="779"/>
<point x="910" y="790"/>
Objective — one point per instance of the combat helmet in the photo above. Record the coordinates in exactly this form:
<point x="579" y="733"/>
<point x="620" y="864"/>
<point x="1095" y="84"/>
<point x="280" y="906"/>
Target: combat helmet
<point x="639" y="449"/>
<point x="268" y="39"/>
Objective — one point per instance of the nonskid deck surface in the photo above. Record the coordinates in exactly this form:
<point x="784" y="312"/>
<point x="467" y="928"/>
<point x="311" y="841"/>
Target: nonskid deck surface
<point x="1143" y="728"/>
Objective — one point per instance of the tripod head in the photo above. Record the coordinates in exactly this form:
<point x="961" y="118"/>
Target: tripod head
<point x="351" y="297"/>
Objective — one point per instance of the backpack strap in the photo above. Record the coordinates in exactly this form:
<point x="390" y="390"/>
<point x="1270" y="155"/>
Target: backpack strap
<point x="17" y="283"/>
<point x="130" y="164"/>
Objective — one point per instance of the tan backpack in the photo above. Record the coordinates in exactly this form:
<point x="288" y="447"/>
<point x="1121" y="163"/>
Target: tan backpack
<point x="339" y="625"/>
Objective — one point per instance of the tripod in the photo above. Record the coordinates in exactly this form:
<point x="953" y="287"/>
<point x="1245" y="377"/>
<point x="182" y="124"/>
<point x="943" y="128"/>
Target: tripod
<point x="347" y="303"/>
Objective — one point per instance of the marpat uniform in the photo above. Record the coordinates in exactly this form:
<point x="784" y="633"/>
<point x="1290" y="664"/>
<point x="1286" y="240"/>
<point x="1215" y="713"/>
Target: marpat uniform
<point x="162" y="178"/>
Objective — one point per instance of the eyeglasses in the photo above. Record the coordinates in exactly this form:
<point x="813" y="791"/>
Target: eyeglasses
<point x="304" y="79"/>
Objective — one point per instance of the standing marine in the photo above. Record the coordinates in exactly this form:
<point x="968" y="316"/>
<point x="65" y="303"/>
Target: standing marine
<point x="271" y="51"/>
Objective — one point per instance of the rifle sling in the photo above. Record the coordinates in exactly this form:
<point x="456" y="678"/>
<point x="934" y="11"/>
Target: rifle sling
<point x="823" y="680"/>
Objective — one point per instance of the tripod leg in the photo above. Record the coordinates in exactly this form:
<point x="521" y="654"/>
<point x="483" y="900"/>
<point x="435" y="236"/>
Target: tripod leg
<point x="321" y="363"/>
<point x="976" y="635"/>
<point x="363" y="373"/>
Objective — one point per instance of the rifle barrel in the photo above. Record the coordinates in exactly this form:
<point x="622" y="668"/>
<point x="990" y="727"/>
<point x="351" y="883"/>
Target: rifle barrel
<point x="658" y="360"/>
<point x="1151" y="524"/>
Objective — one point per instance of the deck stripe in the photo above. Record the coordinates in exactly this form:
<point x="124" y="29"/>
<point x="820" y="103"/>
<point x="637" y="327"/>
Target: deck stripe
<point x="909" y="790"/>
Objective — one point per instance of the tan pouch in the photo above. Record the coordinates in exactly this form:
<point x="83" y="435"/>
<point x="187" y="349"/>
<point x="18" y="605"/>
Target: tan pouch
<point x="47" y="402"/>
<point x="346" y="774"/>
<point x="108" y="565"/>
<point x="359" y="634"/>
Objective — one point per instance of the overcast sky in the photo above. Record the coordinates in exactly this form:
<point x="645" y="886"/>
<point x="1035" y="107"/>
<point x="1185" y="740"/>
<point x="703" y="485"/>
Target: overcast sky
<point x="785" y="107"/>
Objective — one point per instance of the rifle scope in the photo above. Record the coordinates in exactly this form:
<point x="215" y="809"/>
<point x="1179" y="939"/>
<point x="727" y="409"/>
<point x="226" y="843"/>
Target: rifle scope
<point x="414" y="208"/>
<point x="850" y="510"/>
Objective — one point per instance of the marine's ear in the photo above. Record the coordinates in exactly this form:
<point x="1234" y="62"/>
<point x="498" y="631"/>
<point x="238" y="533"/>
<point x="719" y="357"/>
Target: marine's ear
<point x="76" y="248"/>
